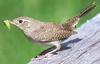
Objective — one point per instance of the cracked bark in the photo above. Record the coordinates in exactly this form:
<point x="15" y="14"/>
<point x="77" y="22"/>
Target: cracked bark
<point x="82" y="48"/>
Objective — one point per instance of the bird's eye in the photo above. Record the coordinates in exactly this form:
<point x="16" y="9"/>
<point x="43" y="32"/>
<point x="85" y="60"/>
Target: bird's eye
<point x="20" y="21"/>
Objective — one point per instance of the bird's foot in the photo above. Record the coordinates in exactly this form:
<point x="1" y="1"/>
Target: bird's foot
<point x="48" y="55"/>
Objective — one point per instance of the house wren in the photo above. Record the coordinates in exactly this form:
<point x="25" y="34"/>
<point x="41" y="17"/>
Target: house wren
<point x="49" y="33"/>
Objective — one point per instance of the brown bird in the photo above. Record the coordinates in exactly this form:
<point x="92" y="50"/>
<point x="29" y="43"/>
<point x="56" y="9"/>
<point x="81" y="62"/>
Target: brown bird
<point x="49" y="33"/>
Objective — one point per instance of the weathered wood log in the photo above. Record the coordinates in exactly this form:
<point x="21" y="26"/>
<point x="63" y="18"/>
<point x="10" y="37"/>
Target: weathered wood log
<point x="82" y="48"/>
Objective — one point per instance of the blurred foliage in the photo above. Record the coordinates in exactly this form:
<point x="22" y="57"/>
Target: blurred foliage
<point x="15" y="48"/>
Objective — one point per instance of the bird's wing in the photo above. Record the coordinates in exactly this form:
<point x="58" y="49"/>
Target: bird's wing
<point x="50" y="32"/>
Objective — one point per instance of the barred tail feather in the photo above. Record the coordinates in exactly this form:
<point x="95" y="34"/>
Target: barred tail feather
<point x="72" y="22"/>
<point x="87" y="9"/>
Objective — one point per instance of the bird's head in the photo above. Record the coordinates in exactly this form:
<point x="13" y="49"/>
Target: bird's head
<point x="24" y="23"/>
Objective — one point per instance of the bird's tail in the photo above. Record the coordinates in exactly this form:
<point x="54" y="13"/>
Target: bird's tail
<point x="87" y="9"/>
<point x="74" y="20"/>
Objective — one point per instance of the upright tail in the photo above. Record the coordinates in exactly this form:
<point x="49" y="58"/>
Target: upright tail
<point x="72" y="22"/>
<point x="87" y="9"/>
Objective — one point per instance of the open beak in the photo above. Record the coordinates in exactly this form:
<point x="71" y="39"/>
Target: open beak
<point x="7" y="23"/>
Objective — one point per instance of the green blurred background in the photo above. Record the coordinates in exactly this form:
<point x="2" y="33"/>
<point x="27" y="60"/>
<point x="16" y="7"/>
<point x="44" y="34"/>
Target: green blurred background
<point x="15" y="48"/>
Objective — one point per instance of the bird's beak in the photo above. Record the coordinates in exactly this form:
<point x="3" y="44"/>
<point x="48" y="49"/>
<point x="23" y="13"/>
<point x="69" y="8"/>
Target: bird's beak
<point x="7" y="23"/>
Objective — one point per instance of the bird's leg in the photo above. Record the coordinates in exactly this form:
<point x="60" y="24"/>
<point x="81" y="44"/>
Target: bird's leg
<point x="58" y="46"/>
